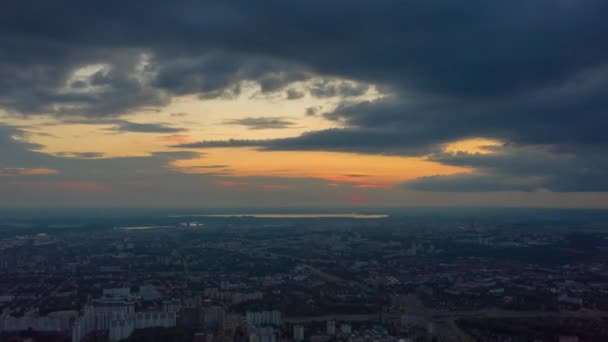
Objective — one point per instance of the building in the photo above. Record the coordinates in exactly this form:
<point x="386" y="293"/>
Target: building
<point x="120" y="292"/>
<point x="331" y="328"/>
<point x="570" y="300"/>
<point x="262" y="318"/>
<point x="346" y="329"/>
<point x="212" y="318"/>
<point x="121" y="329"/>
<point x="298" y="333"/>
<point x="115" y="313"/>
<point x="204" y="337"/>
<point x="59" y="321"/>
<point x="568" y="339"/>
<point x="149" y="292"/>
<point x="265" y="334"/>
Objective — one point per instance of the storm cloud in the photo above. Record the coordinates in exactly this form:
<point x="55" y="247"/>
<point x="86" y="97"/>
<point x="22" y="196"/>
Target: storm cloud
<point x="533" y="75"/>
<point x="126" y="126"/>
<point x="261" y="122"/>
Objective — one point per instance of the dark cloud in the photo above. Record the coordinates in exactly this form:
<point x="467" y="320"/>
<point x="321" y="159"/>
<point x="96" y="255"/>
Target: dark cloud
<point x="127" y="126"/>
<point x="324" y="89"/>
<point x="174" y="155"/>
<point x="222" y="143"/>
<point x="261" y="122"/>
<point x="293" y="94"/>
<point x="212" y="75"/>
<point x="520" y="168"/>
<point x="481" y="49"/>
<point x="16" y="150"/>
<point x="529" y="73"/>
<point x="358" y="140"/>
<point x="120" y="126"/>
<point x="44" y="80"/>
<point x="568" y="119"/>
<point x="469" y="183"/>
<point x="312" y="111"/>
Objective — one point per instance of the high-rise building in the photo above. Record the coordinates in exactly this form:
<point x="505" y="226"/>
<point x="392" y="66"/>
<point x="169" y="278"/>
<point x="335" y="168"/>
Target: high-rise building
<point x="346" y="329"/>
<point x="265" y="334"/>
<point x="262" y="318"/>
<point x="115" y="313"/>
<point x="212" y="318"/>
<point x="331" y="328"/>
<point x="298" y="333"/>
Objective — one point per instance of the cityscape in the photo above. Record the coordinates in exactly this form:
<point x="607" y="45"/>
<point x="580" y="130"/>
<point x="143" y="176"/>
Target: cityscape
<point x="304" y="171"/>
<point x="444" y="276"/>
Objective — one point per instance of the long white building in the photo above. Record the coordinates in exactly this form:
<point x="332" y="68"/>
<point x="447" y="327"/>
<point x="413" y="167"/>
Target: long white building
<point x="261" y="318"/>
<point x="117" y="315"/>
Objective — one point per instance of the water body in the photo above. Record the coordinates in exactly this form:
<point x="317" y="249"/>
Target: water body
<point x="294" y="216"/>
<point x="143" y="227"/>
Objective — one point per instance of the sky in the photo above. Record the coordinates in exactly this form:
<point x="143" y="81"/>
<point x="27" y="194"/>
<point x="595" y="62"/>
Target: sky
<point x="274" y="104"/>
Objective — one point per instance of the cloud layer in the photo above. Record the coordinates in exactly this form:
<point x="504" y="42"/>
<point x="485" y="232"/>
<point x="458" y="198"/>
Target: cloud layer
<point x="533" y="75"/>
<point x="261" y="122"/>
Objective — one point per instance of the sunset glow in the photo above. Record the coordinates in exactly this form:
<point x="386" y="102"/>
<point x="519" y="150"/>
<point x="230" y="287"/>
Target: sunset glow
<point x="220" y="105"/>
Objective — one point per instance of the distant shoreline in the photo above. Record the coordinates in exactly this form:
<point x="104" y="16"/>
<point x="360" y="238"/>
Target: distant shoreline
<point x="292" y="216"/>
